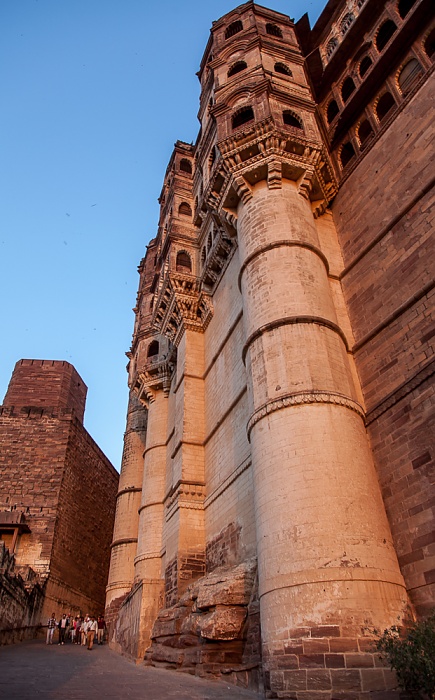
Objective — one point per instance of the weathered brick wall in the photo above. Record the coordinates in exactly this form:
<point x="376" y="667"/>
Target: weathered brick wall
<point x="384" y="216"/>
<point x="85" y="516"/>
<point x="53" y="383"/>
<point x="52" y="471"/>
<point x="21" y="597"/>
<point x="31" y="470"/>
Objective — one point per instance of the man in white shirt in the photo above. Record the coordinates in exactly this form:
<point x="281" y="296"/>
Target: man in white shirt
<point x="91" y="631"/>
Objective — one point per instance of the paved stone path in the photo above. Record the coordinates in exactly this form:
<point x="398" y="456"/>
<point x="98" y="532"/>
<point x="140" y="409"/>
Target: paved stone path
<point x="34" y="670"/>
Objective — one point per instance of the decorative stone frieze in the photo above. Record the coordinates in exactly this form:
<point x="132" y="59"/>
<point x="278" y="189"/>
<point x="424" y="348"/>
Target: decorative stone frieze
<point x="303" y="398"/>
<point x="186" y="495"/>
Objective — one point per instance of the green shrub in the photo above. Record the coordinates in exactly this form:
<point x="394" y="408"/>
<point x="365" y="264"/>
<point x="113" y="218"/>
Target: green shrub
<point x="410" y="651"/>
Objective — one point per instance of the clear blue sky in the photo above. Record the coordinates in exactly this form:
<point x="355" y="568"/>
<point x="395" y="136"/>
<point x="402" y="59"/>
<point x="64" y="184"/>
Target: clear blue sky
<point x="94" y="95"/>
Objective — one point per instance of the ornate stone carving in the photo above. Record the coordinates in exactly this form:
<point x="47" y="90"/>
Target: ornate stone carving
<point x="287" y="152"/>
<point x="181" y="304"/>
<point x="154" y="375"/>
<point x="217" y="259"/>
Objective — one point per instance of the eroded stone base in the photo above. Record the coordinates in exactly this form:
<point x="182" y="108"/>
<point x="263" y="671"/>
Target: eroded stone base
<point x="214" y="629"/>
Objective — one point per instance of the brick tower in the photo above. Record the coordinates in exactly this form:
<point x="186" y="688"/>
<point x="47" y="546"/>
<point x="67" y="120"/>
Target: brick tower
<point x="56" y="481"/>
<point x="269" y="498"/>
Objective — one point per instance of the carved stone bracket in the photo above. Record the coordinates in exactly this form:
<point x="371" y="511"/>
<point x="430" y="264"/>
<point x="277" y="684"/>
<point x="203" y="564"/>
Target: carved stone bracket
<point x="154" y="376"/>
<point x="181" y="304"/>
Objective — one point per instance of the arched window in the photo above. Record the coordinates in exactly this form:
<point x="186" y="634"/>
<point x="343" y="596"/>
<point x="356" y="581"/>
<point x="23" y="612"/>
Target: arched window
<point x="282" y="68"/>
<point x="384" y="105"/>
<point x="153" y="348"/>
<point x="332" y="111"/>
<point x="183" y="263"/>
<point x="365" y="65"/>
<point x="186" y="166"/>
<point x="244" y="115"/>
<point x="365" y="132"/>
<point x="409" y="76"/>
<point x="273" y="30"/>
<point x="185" y="209"/>
<point x="233" y="28"/>
<point x="236" y="68"/>
<point x="404" y="6"/>
<point x="346" y="154"/>
<point x="385" y="32"/>
<point x="291" y="119"/>
<point x="429" y="45"/>
<point x="347" y="88"/>
<point x="331" y="46"/>
<point x="346" y="22"/>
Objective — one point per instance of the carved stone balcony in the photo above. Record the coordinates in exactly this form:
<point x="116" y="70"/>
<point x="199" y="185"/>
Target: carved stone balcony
<point x="181" y="304"/>
<point x="266" y="151"/>
<point x="154" y="375"/>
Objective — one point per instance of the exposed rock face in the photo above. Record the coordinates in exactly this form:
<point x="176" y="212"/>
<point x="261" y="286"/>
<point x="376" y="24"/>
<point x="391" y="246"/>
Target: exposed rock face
<point x="214" y="628"/>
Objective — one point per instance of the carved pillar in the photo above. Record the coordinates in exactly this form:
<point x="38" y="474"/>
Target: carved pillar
<point x="121" y="573"/>
<point x="327" y="565"/>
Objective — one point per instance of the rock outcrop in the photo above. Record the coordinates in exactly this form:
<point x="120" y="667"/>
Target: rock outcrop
<point x="214" y="629"/>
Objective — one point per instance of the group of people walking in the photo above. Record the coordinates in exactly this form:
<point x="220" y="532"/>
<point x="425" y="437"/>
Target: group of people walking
<point x="77" y="630"/>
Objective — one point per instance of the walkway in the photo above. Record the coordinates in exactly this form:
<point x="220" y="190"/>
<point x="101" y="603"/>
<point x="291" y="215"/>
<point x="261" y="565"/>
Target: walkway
<point x="34" y="670"/>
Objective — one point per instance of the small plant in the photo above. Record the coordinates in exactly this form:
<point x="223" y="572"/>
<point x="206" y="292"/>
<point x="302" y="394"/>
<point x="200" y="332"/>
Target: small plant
<point x="410" y="651"/>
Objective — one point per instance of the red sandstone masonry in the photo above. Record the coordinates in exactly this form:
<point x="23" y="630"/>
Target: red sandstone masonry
<point x="53" y="472"/>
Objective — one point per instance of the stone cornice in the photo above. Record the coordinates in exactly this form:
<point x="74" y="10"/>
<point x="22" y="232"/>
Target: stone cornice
<point x="188" y="495"/>
<point x="303" y="398"/>
<point x="284" y="150"/>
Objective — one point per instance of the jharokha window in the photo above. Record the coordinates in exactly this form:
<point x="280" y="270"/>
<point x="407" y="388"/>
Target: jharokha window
<point x="346" y="154"/>
<point x="185" y="209"/>
<point x="184" y="263"/>
<point x="243" y="116"/>
<point x="273" y="30"/>
<point x="365" y="65"/>
<point x="384" y="34"/>
<point x="332" y="111"/>
<point x="282" y="68"/>
<point x="347" y="89"/>
<point x="409" y="76"/>
<point x="153" y="349"/>
<point x="186" y="166"/>
<point x="291" y="119"/>
<point x="233" y="28"/>
<point x="384" y="106"/>
<point x="237" y="68"/>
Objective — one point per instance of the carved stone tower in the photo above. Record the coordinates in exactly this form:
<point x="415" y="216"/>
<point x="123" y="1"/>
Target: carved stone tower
<point x="260" y="544"/>
<point x="322" y="561"/>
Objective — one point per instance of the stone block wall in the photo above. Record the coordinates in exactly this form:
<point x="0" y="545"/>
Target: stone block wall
<point x="384" y="215"/>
